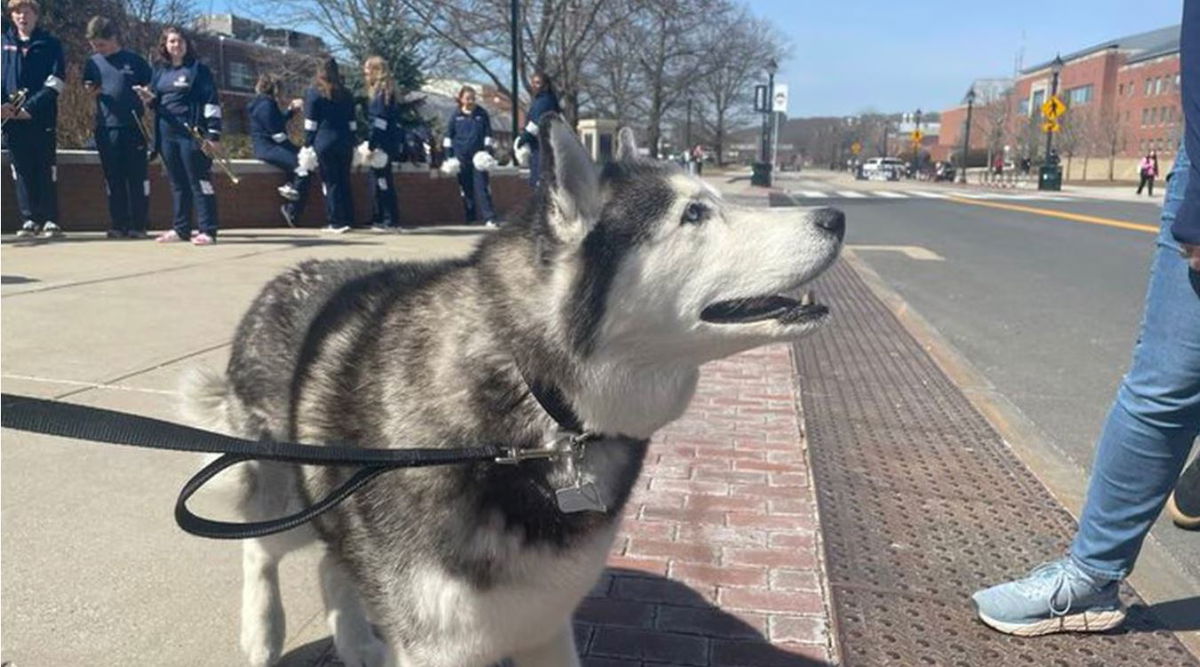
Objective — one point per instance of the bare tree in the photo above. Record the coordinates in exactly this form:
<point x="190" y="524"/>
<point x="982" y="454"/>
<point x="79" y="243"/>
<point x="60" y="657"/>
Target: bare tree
<point x="740" y="45"/>
<point x="1110" y="137"/>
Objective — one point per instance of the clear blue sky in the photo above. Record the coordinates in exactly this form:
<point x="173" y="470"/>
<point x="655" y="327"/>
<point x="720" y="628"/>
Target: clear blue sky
<point x="848" y="55"/>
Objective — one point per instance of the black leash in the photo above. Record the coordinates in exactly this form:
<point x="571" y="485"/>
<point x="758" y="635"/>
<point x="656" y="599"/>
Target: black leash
<point x="81" y="422"/>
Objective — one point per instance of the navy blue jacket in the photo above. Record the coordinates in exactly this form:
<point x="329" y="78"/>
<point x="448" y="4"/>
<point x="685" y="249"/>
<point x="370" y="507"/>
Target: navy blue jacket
<point x="115" y="76"/>
<point x="187" y="95"/>
<point x="37" y="66"/>
<point x="543" y="103"/>
<point x="1186" y="228"/>
<point x="383" y="115"/>
<point x="268" y="125"/>
<point x="328" y="121"/>
<point x="467" y="133"/>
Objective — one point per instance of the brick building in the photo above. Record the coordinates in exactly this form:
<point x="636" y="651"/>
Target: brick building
<point x="1122" y="97"/>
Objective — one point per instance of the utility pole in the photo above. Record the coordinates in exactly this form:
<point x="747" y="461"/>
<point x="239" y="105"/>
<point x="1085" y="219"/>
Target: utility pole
<point x="966" y="149"/>
<point x="687" y="141"/>
<point x="1055" y="69"/>
<point x="916" y="144"/>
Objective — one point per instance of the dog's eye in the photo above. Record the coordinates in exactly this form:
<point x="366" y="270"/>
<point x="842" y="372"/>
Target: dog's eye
<point x="694" y="213"/>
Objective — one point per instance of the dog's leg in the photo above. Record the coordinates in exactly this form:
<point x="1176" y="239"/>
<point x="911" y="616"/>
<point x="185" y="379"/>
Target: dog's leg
<point x="558" y="652"/>
<point x="263" y="623"/>
<point x="355" y="639"/>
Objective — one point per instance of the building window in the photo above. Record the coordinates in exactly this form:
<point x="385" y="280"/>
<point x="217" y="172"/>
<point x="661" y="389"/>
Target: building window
<point x="1149" y="87"/>
<point x="1023" y="106"/>
<point x="1159" y="84"/>
<point x="1080" y="95"/>
<point x="241" y="75"/>
<point x="1039" y="96"/>
<point x="1145" y="117"/>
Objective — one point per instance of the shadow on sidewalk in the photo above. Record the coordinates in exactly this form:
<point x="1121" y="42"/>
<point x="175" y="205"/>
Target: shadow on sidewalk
<point x="1181" y="615"/>
<point x="633" y="616"/>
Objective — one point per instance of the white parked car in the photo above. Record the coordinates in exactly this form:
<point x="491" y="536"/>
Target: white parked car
<point x="883" y="169"/>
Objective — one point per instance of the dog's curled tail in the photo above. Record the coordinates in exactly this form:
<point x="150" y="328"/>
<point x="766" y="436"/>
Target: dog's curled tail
<point x="209" y="403"/>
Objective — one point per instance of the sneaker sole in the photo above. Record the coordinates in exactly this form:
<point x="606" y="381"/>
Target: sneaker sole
<point x="1182" y="520"/>
<point x="1088" y="621"/>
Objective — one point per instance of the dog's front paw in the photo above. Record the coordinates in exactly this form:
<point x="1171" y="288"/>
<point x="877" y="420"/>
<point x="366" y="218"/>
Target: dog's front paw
<point x="370" y="652"/>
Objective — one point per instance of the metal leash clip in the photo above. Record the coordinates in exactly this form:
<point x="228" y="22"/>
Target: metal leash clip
<point x="563" y="443"/>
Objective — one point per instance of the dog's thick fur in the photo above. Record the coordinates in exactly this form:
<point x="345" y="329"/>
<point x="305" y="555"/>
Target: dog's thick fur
<point x="597" y="290"/>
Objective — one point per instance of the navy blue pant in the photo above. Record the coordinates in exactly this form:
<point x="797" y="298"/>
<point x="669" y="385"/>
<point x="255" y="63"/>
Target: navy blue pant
<point x="123" y="156"/>
<point x="384" y="208"/>
<point x="284" y="157"/>
<point x="477" y="196"/>
<point x="535" y="166"/>
<point x="190" y="172"/>
<point x="31" y="150"/>
<point x="334" y="160"/>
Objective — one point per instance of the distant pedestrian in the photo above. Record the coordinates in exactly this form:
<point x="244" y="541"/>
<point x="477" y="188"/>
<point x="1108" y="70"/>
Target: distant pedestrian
<point x="1151" y="427"/>
<point x="469" y="141"/>
<point x="271" y="143"/>
<point x="121" y="139"/>
<point x="1148" y="171"/>
<point x="545" y="100"/>
<point x="329" y="128"/>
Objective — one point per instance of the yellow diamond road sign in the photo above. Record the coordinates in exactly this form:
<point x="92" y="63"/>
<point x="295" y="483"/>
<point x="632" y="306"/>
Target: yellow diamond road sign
<point x="1053" y="108"/>
<point x="1050" y="126"/>
<point x="917" y="135"/>
<point x="856" y="148"/>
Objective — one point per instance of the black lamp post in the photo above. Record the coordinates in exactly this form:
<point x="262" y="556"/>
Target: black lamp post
<point x="515" y="37"/>
<point x="966" y="149"/>
<point x="1055" y="69"/>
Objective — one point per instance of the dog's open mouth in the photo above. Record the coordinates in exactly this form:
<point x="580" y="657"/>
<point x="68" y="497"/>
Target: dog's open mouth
<point x="782" y="309"/>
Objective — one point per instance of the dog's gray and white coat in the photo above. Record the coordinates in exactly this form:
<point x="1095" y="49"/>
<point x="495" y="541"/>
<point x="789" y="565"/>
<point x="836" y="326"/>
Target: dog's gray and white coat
<point x="613" y="287"/>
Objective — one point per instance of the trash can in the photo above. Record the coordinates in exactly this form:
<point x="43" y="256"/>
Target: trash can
<point x="1050" y="177"/>
<point x="761" y="175"/>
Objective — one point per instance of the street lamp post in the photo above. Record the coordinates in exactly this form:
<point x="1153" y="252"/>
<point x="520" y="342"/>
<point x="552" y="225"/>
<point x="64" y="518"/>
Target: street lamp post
<point x="1055" y="69"/>
<point x="515" y="37"/>
<point x="966" y="149"/>
<point x="762" y="176"/>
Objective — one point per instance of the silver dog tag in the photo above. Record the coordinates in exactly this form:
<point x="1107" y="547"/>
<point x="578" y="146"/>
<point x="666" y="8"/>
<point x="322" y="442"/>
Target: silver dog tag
<point x="583" y="497"/>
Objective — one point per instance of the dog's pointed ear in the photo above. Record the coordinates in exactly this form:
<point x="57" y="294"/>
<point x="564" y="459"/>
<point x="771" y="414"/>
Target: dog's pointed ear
<point x="626" y="145"/>
<point x="570" y="176"/>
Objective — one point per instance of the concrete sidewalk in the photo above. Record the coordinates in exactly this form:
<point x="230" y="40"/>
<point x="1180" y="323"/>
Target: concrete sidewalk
<point x="718" y="562"/>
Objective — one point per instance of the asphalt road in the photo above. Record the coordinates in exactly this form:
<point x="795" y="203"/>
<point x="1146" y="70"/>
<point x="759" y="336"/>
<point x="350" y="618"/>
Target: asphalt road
<point x="1046" y="308"/>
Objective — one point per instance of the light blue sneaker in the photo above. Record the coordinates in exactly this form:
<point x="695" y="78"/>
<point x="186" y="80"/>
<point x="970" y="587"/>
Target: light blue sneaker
<point x="1055" y="597"/>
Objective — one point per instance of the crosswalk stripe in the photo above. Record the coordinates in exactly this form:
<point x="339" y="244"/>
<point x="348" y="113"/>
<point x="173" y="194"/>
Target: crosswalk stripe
<point x="850" y="194"/>
<point x="927" y="194"/>
<point x="890" y="194"/>
<point x="812" y="193"/>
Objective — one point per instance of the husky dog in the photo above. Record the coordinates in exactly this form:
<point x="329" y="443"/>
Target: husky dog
<point x="607" y="294"/>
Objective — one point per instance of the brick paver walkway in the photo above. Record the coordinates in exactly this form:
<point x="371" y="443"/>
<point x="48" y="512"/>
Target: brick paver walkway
<point x="718" y="562"/>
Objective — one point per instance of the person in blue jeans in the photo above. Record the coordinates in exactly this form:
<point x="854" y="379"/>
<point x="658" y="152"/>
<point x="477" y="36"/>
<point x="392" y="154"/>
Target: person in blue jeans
<point x="1150" y="429"/>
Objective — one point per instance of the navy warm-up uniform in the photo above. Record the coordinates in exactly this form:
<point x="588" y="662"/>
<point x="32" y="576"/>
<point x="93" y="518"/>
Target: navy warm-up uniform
<point x="187" y="96"/>
<point x="119" y="140"/>
<point x="466" y="135"/>
<point x="543" y="103"/>
<point x="269" y="137"/>
<point x="386" y="135"/>
<point x="37" y="66"/>
<point x="329" y="129"/>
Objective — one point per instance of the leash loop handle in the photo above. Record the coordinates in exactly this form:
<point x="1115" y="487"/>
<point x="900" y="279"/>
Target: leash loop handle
<point x="226" y="530"/>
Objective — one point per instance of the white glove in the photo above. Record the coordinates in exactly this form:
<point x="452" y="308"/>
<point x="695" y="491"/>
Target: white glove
<point x="308" y="161"/>
<point x="523" y="154"/>
<point x="450" y="167"/>
<point x="483" y="161"/>
<point x="379" y="159"/>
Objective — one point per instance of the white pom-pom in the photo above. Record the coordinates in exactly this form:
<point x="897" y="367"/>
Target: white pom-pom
<point x="379" y="159"/>
<point x="450" y="167"/>
<point x="308" y="161"/>
<point x="523" y="154"/>
<point x="362" y="155"/>
<point x="483" y="161"/>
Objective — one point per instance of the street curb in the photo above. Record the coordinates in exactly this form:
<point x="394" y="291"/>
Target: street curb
<point x="1158" y="578"/>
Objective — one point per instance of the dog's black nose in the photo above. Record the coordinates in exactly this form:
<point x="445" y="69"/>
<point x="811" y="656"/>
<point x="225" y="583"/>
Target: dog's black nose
<point x="832" y="220"/>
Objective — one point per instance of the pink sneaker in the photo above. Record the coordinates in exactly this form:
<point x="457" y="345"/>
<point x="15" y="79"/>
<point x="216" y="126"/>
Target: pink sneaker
<point x="168" y="237"/>
<point x="203" y="239"/>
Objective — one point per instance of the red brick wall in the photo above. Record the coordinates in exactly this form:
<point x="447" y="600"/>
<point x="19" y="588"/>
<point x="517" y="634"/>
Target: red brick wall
<point x="426" y="198"/>
<point x="1163" y="129"/>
